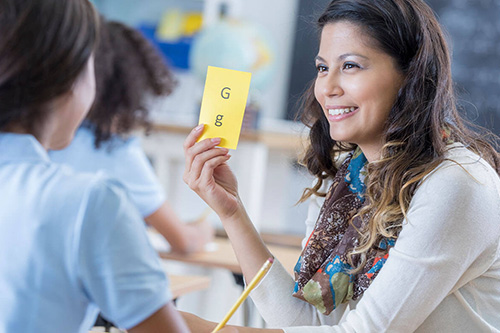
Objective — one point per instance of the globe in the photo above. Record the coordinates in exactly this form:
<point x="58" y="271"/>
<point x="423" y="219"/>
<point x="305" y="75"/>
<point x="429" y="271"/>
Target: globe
<point x="234" y="45"/>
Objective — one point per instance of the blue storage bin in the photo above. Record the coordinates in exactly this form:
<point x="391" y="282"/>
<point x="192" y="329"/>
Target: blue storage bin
<point x="176" y="54"/>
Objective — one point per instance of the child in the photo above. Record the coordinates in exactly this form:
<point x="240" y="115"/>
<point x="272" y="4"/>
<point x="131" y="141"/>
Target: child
<point x="70" y="244"/>
<point x="129" y="72"/>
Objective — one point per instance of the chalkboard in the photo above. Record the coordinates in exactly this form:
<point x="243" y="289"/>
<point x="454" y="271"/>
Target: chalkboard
<point x="306" y="43"/>
<point x="473" y="29"/>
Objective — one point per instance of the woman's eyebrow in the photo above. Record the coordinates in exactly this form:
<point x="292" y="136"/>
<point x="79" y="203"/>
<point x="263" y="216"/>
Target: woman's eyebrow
<point x="343" y="56"/>
<point x="318" y="58"/>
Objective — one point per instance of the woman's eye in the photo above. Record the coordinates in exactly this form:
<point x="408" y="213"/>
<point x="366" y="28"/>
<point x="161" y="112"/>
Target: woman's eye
<point x="350" y="65"/>
<point x="321" y="68"/>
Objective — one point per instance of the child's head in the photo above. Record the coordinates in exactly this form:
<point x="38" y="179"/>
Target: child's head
<point x="129" y="70"/>
<point x="46" y="65"/>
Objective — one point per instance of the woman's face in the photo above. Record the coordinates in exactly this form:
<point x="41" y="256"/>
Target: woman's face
<point x="356" y="86"/>
<point x="73" y="107"/>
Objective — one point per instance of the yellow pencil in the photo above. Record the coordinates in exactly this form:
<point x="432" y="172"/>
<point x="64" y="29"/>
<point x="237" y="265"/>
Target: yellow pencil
<point x="260" y="274"/>
<point x="204" y="214"/>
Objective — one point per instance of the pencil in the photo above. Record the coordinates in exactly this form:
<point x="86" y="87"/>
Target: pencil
<point x="260" y="274"/>
<point x="204" y="214"/>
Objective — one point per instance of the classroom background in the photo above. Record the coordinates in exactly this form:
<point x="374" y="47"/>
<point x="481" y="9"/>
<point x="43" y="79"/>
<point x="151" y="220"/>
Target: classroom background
<point x="275" y="40"/>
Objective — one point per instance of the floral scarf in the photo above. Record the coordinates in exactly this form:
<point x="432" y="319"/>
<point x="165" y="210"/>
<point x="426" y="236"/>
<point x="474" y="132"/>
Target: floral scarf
<point x="322" y="271"/>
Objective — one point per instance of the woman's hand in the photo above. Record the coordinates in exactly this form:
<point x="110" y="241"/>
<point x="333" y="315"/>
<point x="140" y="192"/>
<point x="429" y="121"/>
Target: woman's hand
<point x="197" y="324"/>
<point x="207" y="173"/>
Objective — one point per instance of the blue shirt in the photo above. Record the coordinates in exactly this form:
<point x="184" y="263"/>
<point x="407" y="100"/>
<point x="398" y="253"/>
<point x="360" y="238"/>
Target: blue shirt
<point x="123" y="159"/>
<point x="70" y="244"/>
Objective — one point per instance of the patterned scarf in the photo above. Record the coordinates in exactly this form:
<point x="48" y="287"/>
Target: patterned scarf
<point x="322" y="271"/>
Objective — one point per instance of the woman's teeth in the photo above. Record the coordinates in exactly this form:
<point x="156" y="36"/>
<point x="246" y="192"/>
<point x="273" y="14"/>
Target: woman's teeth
<point x="338" y="112"/>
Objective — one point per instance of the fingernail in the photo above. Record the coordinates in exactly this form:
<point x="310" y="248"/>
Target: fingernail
<point x="216" y="140"/>
<point x="199" y="127"/>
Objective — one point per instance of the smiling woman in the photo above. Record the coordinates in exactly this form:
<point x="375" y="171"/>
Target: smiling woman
<point x="356" y="86"/>
<point x="403" y="229"/>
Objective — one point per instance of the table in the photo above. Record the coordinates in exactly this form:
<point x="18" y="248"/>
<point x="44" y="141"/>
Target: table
<point x="223" y="256"/>
<point x="185" y="284"/>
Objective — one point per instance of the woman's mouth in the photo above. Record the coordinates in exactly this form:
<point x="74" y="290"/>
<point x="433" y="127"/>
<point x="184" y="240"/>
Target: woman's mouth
<point x="336" y="114"/>
<point x="339" y="112"/>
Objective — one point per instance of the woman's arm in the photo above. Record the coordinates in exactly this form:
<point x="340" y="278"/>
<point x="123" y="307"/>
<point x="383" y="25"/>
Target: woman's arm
<point x="183" y="238"/>
<point x="449" y="238"/>
<point x="207" y="173"/>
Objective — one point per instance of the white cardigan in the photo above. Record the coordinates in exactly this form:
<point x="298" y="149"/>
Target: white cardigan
<point x="443" y="274"/>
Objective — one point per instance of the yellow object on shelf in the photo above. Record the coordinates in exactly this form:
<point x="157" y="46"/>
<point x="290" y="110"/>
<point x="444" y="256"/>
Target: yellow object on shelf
<point x="192" y="23"/>
<point x="175" y="24"/>
<point x="171" y="26"/>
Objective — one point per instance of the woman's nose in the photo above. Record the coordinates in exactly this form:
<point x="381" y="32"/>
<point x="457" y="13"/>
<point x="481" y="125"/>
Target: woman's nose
<point x="332" y="86"/>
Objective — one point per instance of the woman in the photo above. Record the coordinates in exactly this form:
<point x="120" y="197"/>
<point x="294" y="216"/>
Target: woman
<point x="408" y="235"/>
<point x="70" y="244"/>
<point x="129" y="72"/>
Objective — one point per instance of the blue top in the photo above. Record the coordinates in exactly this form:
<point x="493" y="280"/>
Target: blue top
<point x="70" y="244"/>
<point x="123" y="159"/>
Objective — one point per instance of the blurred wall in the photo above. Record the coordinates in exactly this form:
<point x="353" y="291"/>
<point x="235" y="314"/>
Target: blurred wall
<point x="276" y="16"/>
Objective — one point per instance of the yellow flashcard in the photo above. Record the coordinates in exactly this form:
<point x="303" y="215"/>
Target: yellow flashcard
<point x="223" y="105"/>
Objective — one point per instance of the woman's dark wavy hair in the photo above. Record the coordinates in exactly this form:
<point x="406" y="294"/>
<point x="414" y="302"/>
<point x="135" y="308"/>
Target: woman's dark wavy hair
<point x="425" y="109"/>
<point x="44" y="46"/>
<point x="128" y="71"/>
